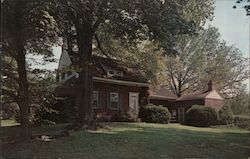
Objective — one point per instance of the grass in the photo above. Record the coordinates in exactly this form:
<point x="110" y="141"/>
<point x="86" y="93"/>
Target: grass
<point x="134" y="141"/>
<point x="9" y="122"/>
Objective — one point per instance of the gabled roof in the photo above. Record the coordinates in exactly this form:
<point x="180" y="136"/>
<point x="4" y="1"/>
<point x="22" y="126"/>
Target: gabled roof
<point x="213" y="94"/>
<point x="161" y="94"/>
<point x="102" y="65"/>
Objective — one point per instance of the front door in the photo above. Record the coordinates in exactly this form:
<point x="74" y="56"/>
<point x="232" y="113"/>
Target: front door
<point x="133" y="104"/>
<point x="181" y="115"/>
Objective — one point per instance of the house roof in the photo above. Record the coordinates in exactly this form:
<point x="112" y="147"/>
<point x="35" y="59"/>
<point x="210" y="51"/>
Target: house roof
<point x="164" y="94"/>
<point x="212" y="94"/>
<point x="102" y="65"/>
<point x="161" y="93"/>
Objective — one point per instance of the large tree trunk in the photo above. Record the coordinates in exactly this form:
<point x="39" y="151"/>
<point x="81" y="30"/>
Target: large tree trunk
<point x="85" y="111"/>
<point x="23" y="93"/>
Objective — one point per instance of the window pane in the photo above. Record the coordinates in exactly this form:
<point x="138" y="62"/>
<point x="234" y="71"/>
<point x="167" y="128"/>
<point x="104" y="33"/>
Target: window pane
<point x="114" y="98"/>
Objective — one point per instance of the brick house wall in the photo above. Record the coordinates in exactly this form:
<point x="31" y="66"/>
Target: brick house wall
<point x="217" y="104"/>
<point x="104" y="90"/>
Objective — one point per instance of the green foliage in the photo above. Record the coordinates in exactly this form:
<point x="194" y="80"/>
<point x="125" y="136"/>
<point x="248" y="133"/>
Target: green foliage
<point x="199" y="11"/>
<point x="48" y="109"/>
<point x="201" y="58"/>
<point x="145" y="55"/>
<point x="102" y="117"/>
<point x="121" y="117"/>
<point x="152" y="141"/>
<point x="154" y="114"/>
<point x="240" y="104"/>
<point x="226" y="115"/>
<point x="201" y="116"/>
<point x="117" y="117"/>
<point x="54" y="111"/>
<point x="242" y="122"/>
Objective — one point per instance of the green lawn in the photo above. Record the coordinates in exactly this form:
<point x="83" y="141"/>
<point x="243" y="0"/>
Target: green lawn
<point x="9" y="122"/>
<point x="134" y="141"/>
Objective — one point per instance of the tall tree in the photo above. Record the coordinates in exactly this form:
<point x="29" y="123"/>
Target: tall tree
<point x="202" y="58"/>
<point x="128" y="21"/>
<point x="240" y="103"/>
<point x="27" y="28"/>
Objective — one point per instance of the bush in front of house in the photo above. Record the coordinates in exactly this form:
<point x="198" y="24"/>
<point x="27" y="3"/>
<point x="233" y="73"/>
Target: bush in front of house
<point x="102" y="117"/>
<point x="54" y="111"/>
<point x="242" y="122"/>
<point x="226" y="115"/>
<point x="201" y="116"/>
<point x="121" y="117"/>
<point x="154" y="114"/>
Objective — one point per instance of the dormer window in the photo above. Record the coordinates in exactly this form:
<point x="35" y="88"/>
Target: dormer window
<point x="119" y="73"/>
<point x="114" y="73"/>
<point x="111" y="72"/>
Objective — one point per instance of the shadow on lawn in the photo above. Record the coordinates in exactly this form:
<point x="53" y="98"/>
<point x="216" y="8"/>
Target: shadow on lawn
<point x="134" y="140"/>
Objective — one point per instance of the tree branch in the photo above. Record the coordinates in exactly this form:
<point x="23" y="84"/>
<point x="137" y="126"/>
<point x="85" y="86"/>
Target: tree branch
<point x="100" y="47"/>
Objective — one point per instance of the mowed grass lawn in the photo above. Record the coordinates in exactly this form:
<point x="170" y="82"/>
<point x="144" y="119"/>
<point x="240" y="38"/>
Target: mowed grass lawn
<point x="133" y="141"/>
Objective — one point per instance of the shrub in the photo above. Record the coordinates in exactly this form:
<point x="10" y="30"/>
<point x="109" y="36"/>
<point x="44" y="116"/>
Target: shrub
<point x="121" y="117"/>
<point x="102" y="117"/>
<point x="242" y="122"/>
<point x="202" y="116"/>
<point x="154" y="114"/>
<point x="225" y="115"/>
<point x="55" y="110"/>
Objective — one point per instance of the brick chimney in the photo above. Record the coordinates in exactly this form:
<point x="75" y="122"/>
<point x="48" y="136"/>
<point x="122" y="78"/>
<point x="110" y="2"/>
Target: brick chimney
<point x="210" y="86"/>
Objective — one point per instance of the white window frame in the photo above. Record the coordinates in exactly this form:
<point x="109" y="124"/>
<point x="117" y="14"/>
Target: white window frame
<point x="110" y="94"/>
<point x="115" y="73"/>
<point x="97" y="100"/>
<point x="110" y="74"/>
<point x="121" y="73"/>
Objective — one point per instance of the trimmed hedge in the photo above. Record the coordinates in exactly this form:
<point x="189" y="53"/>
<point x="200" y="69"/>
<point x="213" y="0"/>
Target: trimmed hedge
<point x="201" y="116"/>
<point x="154" y="114"/>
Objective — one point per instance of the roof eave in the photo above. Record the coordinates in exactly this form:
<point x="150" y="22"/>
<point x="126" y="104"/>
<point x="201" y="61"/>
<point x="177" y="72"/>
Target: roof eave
<point x="121" y="82"/>
<point x="161" y="97"/>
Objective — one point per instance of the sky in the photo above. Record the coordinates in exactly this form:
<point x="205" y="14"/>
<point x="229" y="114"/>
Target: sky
<point x="233" y="25"/>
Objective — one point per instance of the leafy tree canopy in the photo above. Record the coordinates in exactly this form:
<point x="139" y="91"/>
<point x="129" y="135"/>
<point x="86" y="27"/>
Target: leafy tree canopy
<point x="203" y="58"/>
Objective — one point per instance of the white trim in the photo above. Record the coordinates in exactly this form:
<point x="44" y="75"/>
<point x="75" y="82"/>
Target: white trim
<point x="114" y="101"/>
<point x="133" y="111"/>
<point x="66" y="77"/>
<point x="120" y="82"/>
<point x="97" y="94"/>
<point x="115" y="73"/>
